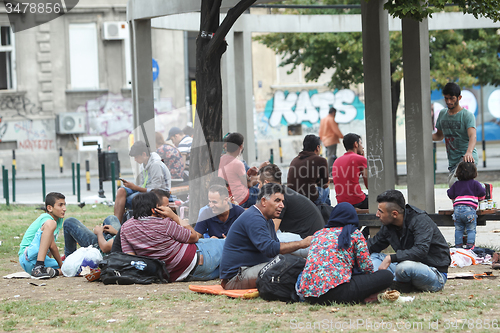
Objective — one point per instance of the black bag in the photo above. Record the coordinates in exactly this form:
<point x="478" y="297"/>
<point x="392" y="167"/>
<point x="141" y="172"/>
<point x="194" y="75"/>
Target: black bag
<point x="123" y="268"/>
<point x="276" y="280"/>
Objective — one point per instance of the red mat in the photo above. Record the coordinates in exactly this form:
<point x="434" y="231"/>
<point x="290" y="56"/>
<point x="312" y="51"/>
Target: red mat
<point x="217" y="289"/>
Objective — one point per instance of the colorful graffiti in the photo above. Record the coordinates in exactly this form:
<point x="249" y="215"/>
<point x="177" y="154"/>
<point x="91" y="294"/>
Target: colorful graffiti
<point x="308" y="107"/>
<point x="111" y="115"/>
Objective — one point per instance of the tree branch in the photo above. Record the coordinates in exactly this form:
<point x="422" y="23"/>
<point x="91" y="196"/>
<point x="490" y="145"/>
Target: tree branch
<point x="232" y="15"/>
<point x="214" y="15"/>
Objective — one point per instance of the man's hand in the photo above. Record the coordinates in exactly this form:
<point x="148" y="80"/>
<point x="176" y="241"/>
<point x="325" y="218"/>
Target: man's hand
<point x="164" y="212"/>
<point x="385" y="263"/>
<point x="98" y="229"/>
<point x="468" y="157"/>
<point x="110" y="230"/>
<point x="306" y="241"/>
<point x="130" y="185"/>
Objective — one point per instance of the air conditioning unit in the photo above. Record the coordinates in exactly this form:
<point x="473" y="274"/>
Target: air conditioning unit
<point x="114" y="30"/>
<point x="71" y="123"/>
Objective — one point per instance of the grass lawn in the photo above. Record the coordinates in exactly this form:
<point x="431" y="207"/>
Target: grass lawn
<point x="75" y="305"/>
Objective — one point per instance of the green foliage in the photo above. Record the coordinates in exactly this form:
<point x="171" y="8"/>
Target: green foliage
<point x="418" y="10"/>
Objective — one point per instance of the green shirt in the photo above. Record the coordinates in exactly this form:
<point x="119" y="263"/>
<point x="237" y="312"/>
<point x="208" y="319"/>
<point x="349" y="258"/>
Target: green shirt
<point x="454" y="128"/>
<point x="33" y="228"/>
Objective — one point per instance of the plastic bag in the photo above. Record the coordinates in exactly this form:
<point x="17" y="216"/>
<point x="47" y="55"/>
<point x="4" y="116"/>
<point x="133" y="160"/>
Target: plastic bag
<point x="462" y="257"/>
<point x="84" y="256"/>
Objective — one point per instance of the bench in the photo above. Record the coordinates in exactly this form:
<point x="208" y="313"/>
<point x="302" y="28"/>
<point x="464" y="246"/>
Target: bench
<point x="442" y="219"/>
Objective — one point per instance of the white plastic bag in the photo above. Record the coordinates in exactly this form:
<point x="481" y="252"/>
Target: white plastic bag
<point x="462" y="257"/>
<point x="73" y="263"/>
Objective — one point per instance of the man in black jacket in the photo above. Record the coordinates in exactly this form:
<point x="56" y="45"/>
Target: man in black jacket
<point x="422" y="255"/>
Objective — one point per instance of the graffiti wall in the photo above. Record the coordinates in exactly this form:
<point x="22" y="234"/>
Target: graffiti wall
<point x="31" y="135"/>
<point x="288" y="110"/>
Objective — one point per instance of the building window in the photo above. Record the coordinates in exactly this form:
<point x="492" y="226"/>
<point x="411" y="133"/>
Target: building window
<point x="84" y="65"/>
<point x="7" y="57"/>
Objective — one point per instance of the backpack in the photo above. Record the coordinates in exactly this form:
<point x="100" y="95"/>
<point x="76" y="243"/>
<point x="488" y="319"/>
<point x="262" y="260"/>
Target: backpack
<point x="277" y="279"/>
<point x="123" y="268"/>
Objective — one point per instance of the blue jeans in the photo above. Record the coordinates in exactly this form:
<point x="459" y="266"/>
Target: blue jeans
<point x="421" y="276"/>
<point x="130" y="195"/>
<point x="211" y="249"/>
<point x="465" y="218"/>
<point x="76" y="233"/>
<point x="28" y="258"/>
<point x="324" y="196"/>
<point x="252" y="197"/>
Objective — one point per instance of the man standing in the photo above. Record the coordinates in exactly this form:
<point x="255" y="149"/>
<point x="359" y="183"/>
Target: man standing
<point x="458" y="128"/>
<point x="308" y="173"/>
<point x="329" y="133"/>
<point x="346" y="171"/>
<point x="299" y="215"/>
<point x="422" y="255"/>
<point x="152" y="174"/>
<point x="216" y="218"/>
<point x="252" y="241"/>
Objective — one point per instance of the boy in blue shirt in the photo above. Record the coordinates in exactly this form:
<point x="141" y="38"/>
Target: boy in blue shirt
<point x="40" y="238"/>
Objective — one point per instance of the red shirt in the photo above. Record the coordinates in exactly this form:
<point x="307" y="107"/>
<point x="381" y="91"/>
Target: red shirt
<point x="345" y="172"/>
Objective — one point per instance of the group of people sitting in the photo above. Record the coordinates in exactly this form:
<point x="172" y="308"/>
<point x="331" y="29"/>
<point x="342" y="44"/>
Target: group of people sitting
<point x="233" y="244"/>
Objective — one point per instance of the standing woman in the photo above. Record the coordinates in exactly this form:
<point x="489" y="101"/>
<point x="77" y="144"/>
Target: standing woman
<point x="338" y="267"/>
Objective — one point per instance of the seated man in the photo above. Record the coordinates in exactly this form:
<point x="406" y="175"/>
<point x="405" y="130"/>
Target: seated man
<point x="252" y="242"/>
<point x="155" y="231"/>
<point x="152" y="174"/>
<point x="101" y="237"/>
<point x="171" y="156"/>
<point x="183" y="142"/>
<point x="216" y="218"/>
<point x="422" y="255"/>
<point x="41" y="237"/>
<point x="299" y="214"/>
<point x="308" y="173"/>
<point x="346" y="171"/>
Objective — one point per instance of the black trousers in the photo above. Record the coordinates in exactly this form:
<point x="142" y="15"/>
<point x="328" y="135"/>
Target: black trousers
<point x="356" y="290"/>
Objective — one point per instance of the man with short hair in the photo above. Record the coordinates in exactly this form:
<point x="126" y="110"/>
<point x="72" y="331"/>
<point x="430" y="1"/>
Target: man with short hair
<point x="346" y="171"/>
<point x="216" y="218"/>
<point x="252" y="241"/>
<point x="152" y="174"/>
<point x="458" y="128"/>
<point x="155" y="231"/>
<point x="299" y="214"/>
<point x="329" y="133"/>
<point x="183" y="142"/>
<point x="422" y="255"/>
<point x="308" y="172"/>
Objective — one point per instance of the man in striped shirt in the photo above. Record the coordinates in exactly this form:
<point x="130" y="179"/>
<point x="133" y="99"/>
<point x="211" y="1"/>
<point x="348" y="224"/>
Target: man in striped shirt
<point x="155" y="231"/>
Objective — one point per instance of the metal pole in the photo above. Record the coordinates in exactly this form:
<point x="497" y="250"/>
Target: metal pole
<point x="271" y="157"/>
<point x="434" y="153"/>
<point x="13" y="183"/>
<point x="61" y="161"/>
<point x="78" y="182"/>
<point x="100" y="160"/>
<point x="6" y="185"/>
<point x="14" y="158"/>
<point x="3" y="176"/>
<point x="43" y="182"/>
<point x="482" y="126"/>
<point x="113" y="186"/>
<point x="73" y="176"/>
<point x="87" y="174"/>
<point x="281" y="151"/>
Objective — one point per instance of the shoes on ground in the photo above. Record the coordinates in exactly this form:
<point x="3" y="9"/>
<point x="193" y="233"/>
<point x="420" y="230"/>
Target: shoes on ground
<point x="42" y="272"/>
<point x="495" y="261"/>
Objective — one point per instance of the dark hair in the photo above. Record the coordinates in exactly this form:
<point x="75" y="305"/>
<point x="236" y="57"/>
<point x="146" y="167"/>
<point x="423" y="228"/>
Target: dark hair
<point x="160" y="141"/>
<point x="466" y="171"/>
<point x="311" y="142"/>
<point x="452" y="89"/>
<point x="138" y="148"/>
<point x="52" y="197"/>
<point x="395" y="198"/>
<point x="349" y="140"/>
<point x="269" y="189"/>
<point x="161" y="193"/>
<point x="233" y="140"/>
<point x="332" y="110"/>
<point x="271" y="173"/>
<point x="188" y="130"/>
<point x="222" y="190"/>
<point x="143" y="203"/>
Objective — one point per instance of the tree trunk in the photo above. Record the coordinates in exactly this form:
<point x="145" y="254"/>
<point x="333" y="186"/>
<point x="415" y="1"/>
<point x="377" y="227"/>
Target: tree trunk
<point x="207" y="142"/>
<point x="395" y="96"/>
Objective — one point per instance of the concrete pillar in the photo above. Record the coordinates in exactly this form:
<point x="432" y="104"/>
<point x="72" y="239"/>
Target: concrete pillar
<point x="376" y="65"/>
<point x="142" y="82"/>
<point x="229" y="118"/>
<point x="244" y="91"/>
<point x="419" y="158"/>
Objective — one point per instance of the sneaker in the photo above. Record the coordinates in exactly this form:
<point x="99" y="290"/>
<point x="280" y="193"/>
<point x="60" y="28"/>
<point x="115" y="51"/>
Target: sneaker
<point x="470" y="246"/>
<point x="42" y="272"/>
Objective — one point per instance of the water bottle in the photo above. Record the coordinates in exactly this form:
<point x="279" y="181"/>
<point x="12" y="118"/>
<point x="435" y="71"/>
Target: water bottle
<point x="140" y="265"/>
